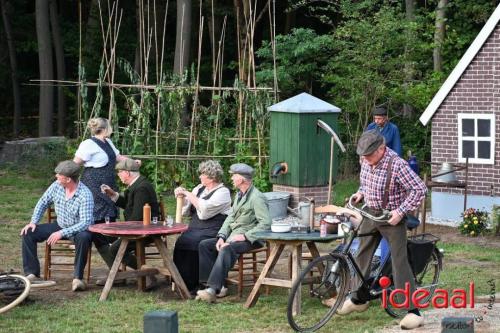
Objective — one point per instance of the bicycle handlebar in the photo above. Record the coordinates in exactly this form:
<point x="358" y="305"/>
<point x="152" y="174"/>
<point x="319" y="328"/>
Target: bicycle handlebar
<point x="386" y="214"/>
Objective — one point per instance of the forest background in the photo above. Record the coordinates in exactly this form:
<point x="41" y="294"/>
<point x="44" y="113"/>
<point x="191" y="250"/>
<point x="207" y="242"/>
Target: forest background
<point x="187" y="80"/>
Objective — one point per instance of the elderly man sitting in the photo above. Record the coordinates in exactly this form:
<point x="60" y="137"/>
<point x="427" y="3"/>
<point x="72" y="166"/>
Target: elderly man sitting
<point x="74" y="205"/>
<point x="249" y="215"/>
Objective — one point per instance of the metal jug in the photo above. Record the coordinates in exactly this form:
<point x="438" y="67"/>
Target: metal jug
<point x="304" y="210"/>
<point x="446" y="174"/>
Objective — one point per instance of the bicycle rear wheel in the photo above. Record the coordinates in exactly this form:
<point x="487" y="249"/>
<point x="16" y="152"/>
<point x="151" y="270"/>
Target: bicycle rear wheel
<point x="324" y="278"/>
<point x="427" y="279"/>
<point x="13" y="290"/>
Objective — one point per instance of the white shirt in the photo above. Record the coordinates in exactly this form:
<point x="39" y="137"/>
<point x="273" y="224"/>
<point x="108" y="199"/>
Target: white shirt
<point x="93" y="155"/>
<point x="219" y="202"/>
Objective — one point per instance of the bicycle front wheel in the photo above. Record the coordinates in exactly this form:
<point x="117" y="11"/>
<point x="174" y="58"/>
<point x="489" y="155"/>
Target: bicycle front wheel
<point x="324" y="280"/>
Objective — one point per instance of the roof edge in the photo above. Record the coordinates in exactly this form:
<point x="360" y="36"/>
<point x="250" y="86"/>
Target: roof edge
<point x="462" y="65"/>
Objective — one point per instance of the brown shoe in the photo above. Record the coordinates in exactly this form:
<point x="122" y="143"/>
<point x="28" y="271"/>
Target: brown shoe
<point x="207" y="295"/>
<point x="411" y="321"/>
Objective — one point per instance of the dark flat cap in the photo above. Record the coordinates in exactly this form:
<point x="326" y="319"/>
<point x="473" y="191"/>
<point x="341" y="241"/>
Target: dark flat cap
<point x="128" y="165"/>
<point x="242" y="169"/>
<point x="369" y="142"/>
<point x="379" y="111"/>
<point x="68" y="168"/>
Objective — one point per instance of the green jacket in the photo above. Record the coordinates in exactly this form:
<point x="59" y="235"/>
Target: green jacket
<point x="249" y="215"/>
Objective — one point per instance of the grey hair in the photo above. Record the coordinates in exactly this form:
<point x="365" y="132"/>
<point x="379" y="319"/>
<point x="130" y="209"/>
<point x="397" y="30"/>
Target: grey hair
<point x="99" y="126"/>
<point x="211" y="169"/>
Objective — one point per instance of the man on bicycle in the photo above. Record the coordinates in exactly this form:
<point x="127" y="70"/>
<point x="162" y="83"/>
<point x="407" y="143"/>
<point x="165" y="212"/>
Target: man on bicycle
<point x="386" y="182"/>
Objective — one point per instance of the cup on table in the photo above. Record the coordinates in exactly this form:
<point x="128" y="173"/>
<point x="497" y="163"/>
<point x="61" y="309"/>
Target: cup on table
<point x="107" y="219"/>
<point x="170" y="221"/>
<point x="154" y="220"/>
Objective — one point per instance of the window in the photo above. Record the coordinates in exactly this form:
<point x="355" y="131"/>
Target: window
<point x="476" y="138"/>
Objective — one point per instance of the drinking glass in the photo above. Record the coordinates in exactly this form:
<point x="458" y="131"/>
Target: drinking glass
<point x="154" y="220"/>
<point x="107" y="219"/>
<point x="170" y="221"/>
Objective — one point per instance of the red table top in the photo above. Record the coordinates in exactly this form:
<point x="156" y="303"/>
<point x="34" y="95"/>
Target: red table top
<point x="136" y="228"/>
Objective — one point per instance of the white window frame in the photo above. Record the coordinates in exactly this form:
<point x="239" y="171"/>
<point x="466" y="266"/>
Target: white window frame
<point x="476" y="139"/>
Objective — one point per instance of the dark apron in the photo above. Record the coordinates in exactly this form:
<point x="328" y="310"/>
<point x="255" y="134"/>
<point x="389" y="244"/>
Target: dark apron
<point x="94" y="177"/>
<point x="200" y="229"/>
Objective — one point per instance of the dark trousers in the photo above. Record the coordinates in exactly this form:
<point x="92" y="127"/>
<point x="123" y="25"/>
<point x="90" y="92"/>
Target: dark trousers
<point x="186" y="262"/>
<point x="102" y="244"/>
<point x="31" y="264"/>
<point x="215" y="265"/>
<point x="396" y="237"/>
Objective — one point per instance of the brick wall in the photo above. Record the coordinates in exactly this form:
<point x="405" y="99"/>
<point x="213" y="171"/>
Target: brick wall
<point x="477" y="91"/>
<point x="319" y="193"/>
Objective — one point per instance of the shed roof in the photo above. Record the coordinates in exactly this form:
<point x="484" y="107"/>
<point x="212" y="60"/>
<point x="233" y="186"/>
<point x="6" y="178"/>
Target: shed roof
<point x="303" y="103"/>
<point x="462" y="65"/>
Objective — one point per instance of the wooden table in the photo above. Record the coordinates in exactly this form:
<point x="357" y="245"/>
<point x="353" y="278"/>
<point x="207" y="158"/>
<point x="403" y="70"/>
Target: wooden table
<point x="136" y="231"/>
<point x="279" y="241"/>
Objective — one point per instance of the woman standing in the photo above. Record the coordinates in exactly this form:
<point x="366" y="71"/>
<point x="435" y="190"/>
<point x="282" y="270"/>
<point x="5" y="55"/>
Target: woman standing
<point x="98" y="155"/>
<point x="208" y="205"/>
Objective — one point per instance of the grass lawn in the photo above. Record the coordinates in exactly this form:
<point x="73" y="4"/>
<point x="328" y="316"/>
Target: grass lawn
<point x="124" y="310"/>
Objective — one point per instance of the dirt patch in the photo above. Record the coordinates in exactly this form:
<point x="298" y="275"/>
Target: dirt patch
<point x="452" y="235"/>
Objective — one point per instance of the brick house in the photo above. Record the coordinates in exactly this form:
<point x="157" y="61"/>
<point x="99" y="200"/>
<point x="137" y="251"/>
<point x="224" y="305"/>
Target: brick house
<point x="465" y="118"/>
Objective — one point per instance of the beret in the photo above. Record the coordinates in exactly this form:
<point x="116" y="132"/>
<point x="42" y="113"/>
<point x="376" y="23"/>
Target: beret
<point x="369" y="142"/>
<point x="242" y="169"/>
<point x="68" y="168"/>
<point x="128" y="165"/>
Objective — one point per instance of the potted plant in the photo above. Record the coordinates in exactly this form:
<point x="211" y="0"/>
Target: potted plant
<point x="474" y="222"/>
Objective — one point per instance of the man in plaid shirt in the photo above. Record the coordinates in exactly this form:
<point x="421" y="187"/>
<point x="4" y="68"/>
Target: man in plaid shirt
<point x="74" y="204"/>
<point x="405" y="193"/>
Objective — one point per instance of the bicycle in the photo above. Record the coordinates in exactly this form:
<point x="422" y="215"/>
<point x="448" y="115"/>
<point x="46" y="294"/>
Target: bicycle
<point x="329" y="276"/>
<point x="15" y="288"/>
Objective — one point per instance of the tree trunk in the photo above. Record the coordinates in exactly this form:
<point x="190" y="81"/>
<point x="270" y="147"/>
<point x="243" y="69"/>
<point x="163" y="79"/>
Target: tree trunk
<point x="409" y="68"/>
<point x="5" y="7"/>
<point x="60" y="66"/>
<point x="182" y="36"/>
<point x="410" y="10"/>
<point x="439" y="35"/>
<point x="46" y="68"/>
<point x="291" y="18"/>
<point x="138" y="49"/>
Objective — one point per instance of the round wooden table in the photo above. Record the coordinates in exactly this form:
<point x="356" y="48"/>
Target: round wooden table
<point x="135" y="231"/>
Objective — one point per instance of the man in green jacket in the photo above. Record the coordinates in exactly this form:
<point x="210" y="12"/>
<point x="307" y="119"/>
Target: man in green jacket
<point x="249" y="215"/>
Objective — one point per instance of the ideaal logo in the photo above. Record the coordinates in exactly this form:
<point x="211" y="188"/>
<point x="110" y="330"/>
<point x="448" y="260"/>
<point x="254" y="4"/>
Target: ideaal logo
<point x="439" y="300"/>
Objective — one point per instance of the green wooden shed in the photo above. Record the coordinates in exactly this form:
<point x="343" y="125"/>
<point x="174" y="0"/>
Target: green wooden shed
<point x="297" y="140"/>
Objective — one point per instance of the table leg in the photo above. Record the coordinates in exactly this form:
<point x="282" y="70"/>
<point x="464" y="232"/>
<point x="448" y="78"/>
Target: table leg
<point x="314" y="254"/>
<point x="296" y="268"/>
<point x="139" y="253"/>
<point x="268" y="268"/>
<point x="114" y="270"/>
<point x="169" y="263"/>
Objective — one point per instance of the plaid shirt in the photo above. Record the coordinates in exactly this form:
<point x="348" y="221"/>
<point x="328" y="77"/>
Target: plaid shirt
<point x="73" y="215"/>
<point x="406" y="189"/>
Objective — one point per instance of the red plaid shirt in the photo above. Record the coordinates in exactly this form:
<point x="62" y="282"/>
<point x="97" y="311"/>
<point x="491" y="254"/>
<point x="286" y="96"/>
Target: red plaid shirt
<point x="406" y="189"/>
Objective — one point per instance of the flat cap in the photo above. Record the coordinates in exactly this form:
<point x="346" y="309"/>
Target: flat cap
<point x="379" y="111"/>
<point x="242" y="169"/>
<point x="127" y="164"/>
<point x="68" y="168"/>
<point x="369" y="142"/>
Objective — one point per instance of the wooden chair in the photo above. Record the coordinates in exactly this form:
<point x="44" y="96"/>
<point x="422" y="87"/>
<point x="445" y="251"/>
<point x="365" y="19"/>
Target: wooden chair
<point x="247" y="268"/>
<point x="57" y="254"/>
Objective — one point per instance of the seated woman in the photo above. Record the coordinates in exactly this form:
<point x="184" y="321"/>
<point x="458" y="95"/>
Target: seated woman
<point x="208" y="205"/>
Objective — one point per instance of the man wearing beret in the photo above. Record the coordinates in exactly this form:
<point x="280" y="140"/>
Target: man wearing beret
<point x="249" y="215"/>
<point x="74" y="205"/>
<point x="401" y="194"/>
<point x="139" y="192"/>
<point x="388" y="130"/>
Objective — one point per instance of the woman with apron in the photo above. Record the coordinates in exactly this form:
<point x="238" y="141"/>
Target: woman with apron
<point x="208" y="205"/>
<point x="98" y="155"/>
